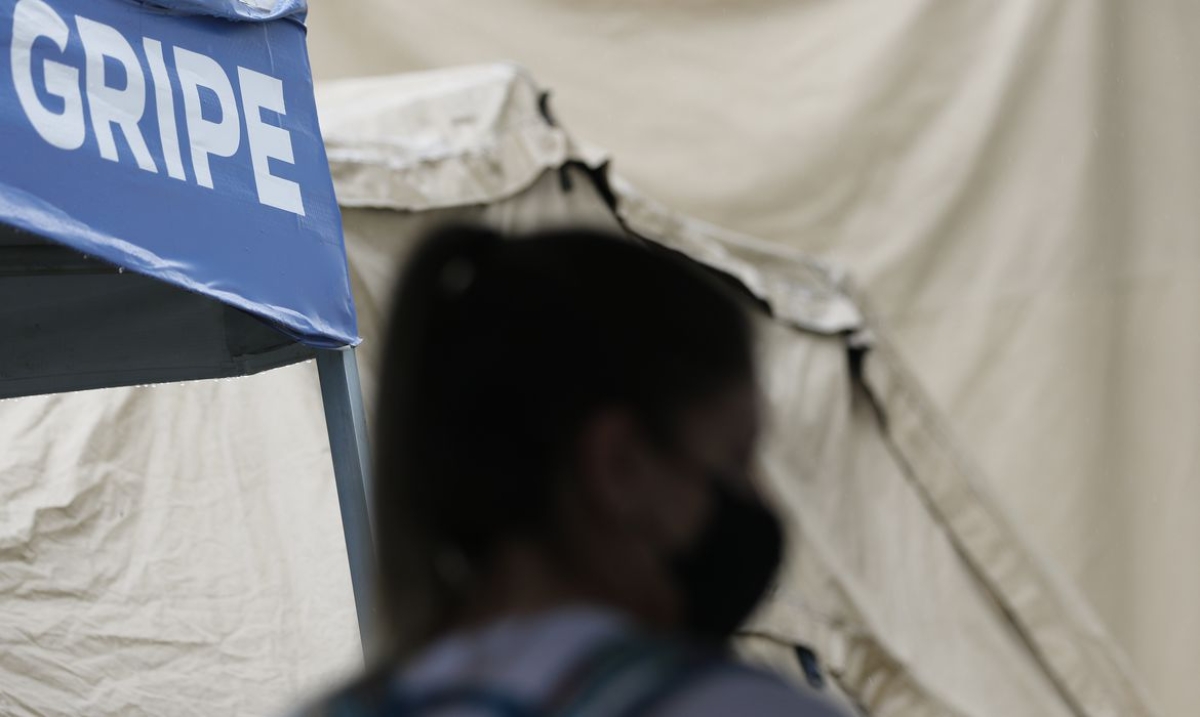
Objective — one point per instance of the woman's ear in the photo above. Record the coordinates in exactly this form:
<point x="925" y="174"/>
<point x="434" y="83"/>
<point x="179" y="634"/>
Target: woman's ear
<point x="614" y="465"/>
<point x="631" y="487"/>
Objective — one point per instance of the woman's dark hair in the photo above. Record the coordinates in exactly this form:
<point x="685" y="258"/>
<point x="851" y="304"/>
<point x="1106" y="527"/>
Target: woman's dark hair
<point x="499" y="349"/>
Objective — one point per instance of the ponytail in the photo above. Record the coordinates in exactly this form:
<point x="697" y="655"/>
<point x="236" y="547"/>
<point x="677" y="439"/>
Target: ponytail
<point x="417" y="578"/>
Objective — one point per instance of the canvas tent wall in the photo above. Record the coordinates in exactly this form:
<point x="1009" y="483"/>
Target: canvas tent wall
<point x="1011" y="183"/>
<point x="905" y="575"/>
<point x="955" y="531"/>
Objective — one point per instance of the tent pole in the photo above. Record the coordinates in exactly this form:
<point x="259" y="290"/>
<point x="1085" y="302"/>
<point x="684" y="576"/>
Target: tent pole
<point x="345" y="418"/>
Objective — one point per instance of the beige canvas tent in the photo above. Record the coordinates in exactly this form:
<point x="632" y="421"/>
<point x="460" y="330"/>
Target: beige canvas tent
<point x="153" y="563"/>
<point x="1013" y="184"/>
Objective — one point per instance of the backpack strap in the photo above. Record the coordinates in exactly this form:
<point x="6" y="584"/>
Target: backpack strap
<point x="385" y="699"/>
<point x="629" y="677"/>
<point x="625" y="677"/>
<point x="494" y="703"/>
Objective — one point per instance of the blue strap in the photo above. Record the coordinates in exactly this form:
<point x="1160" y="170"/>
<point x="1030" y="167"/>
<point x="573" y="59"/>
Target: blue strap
<point x="491" y="702"/>
<point x="394" y="702"/>
<point x="627" y="677"/>
<point x="631" y="677"/>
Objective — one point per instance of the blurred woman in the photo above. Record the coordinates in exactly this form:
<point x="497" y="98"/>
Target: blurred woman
<point x="564" y="510"/>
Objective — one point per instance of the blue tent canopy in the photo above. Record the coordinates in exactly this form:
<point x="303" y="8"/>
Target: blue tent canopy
<point x="242" y="10"/>
<point x="177" y="140"/>
<point x="167" y="211"/>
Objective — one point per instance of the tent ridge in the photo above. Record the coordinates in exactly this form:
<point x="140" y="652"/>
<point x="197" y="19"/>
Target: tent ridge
<point x="799" y="289"/>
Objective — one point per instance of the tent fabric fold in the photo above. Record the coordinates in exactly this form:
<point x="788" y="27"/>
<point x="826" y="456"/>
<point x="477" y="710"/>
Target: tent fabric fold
<point x="440" y="139"/>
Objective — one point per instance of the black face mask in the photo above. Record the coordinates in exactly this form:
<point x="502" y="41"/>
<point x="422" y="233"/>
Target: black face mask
<point x="728" y="568"/>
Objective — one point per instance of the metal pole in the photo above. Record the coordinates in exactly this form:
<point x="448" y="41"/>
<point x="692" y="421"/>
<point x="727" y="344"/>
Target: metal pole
<point x="345" y="418"/>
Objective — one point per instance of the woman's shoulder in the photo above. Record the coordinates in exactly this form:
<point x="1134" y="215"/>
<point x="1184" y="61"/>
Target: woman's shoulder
<point x="721" y="689"/>
<point x="636" y="676"/>
<point x="626" y="674"/>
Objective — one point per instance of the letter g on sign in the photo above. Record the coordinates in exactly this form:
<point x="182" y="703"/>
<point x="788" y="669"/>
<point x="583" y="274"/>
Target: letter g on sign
<point x="34" y="19"/>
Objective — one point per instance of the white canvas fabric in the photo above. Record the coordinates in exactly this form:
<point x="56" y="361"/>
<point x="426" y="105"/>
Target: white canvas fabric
<point x="170" y="550"/>
<point x="905" y="575"/>
<point x="1012" y="184"/>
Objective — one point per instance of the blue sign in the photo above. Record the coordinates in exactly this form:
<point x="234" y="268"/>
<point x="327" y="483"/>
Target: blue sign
<point x="181" y="146"/>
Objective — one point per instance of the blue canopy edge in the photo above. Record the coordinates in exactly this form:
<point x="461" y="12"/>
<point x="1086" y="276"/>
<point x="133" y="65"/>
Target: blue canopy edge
<point x="74" y="323"/>
<point x="237" y="10"/>
<point x="185" y="148"/>
<point x="30" y="213"/>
